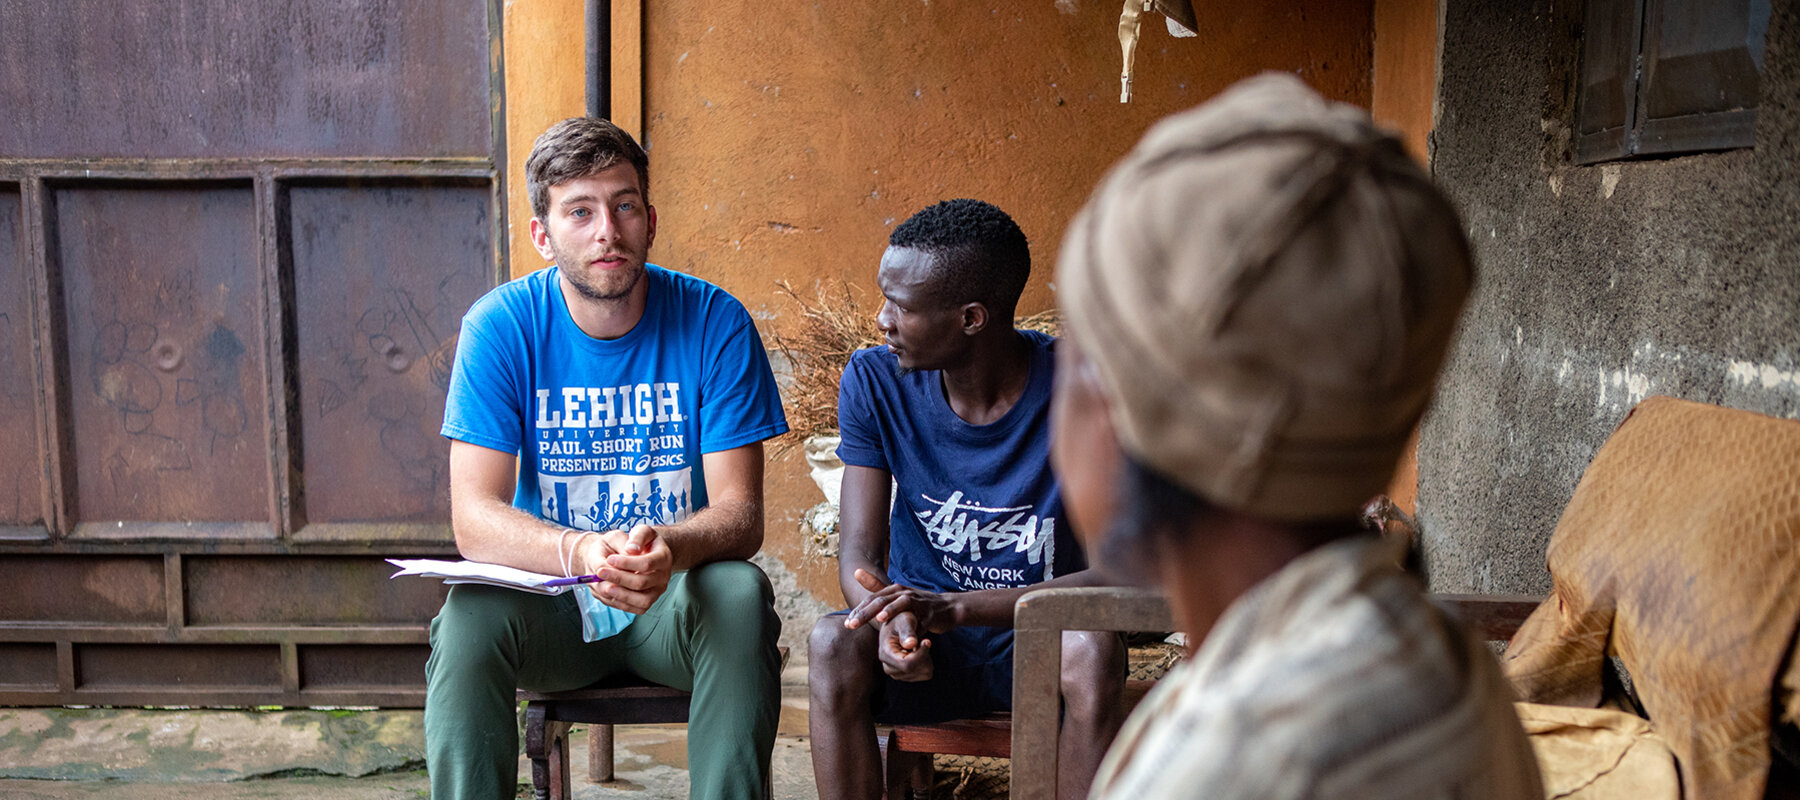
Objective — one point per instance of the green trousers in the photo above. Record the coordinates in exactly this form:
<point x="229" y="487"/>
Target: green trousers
<point x="712" y="633"/>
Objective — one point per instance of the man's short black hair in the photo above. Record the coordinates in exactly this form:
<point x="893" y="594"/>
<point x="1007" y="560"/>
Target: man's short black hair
<point x="978" y="252"/>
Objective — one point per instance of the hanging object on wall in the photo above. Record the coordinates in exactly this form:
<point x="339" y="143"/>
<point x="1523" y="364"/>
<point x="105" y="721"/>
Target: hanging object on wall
<point x="1178" y="15"/>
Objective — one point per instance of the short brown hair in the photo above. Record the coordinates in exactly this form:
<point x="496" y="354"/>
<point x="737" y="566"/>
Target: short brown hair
<point x="577" y="147"/>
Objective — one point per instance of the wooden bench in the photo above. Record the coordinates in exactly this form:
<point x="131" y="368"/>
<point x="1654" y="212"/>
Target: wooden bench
<point x="907" y="750"/>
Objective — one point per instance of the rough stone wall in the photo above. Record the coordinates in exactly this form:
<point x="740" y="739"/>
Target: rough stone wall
<point x="1600" y="285"/>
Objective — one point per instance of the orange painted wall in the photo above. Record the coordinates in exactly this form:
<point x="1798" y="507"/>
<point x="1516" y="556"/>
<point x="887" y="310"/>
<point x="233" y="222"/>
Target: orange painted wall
<point x="787" y="138"/>
<point x="1405" y="78"/>
<point x="1404" y="87"/>
<point x="544" y="44"/>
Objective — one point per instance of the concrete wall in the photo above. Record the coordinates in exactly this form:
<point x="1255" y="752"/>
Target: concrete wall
<point x="1599" y="285"/>
<point x="787" y="138"/>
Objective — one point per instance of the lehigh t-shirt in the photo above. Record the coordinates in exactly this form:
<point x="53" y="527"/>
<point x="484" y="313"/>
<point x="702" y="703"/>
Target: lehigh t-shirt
<point x="610" y="433"/>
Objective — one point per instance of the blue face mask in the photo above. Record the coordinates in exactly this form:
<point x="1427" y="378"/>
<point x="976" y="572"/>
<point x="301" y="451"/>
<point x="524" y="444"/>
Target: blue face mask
<point x="599" y="620"/>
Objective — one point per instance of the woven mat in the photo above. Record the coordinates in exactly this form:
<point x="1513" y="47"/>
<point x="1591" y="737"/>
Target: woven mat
<point x="978" y="778"/>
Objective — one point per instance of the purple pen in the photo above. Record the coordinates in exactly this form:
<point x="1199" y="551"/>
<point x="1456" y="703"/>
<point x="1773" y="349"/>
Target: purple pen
<point x="572" y="581"/>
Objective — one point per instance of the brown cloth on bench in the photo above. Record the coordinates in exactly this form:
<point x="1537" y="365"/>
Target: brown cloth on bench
<point x="1598" y="754"/>
<point x="1680" y="554"/>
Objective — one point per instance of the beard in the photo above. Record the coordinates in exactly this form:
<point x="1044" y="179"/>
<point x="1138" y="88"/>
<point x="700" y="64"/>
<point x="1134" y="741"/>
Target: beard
<point x="612" y="288"/>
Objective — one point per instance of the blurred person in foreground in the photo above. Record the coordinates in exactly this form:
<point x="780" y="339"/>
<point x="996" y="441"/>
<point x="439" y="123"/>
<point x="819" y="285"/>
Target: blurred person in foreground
<point x="1258" y="299"/>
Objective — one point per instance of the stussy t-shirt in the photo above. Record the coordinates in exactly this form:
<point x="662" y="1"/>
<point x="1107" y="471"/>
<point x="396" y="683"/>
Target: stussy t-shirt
<point x="977" y="506"/>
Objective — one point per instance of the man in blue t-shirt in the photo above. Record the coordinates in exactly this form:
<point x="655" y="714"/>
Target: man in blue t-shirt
<point x="954" y="412"/>
<point x="606" y="418"/>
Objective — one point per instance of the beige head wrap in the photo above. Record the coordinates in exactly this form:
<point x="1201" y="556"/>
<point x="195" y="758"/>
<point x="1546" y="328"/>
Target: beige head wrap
<point x="1267" y="285"/>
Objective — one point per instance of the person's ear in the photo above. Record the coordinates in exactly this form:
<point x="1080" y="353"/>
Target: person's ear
<point x="540" y="239"/>
<point x="975" y="318"/>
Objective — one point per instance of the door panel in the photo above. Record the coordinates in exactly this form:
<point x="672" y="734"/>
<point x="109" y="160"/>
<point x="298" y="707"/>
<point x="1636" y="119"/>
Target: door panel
<point x="236" y="78"/>
<point x="383" y="274"/>
<point x="165" y="347"/>
<point x="21" y="471"/>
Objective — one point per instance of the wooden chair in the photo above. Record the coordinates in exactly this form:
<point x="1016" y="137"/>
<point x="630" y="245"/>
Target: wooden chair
<point x="619" y="700"/>
<point x="1041" y="616"/>
<point x="907" y="750"/>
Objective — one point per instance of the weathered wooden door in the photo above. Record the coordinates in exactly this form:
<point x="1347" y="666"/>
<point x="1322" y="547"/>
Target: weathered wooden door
<point x="236" y="240"/>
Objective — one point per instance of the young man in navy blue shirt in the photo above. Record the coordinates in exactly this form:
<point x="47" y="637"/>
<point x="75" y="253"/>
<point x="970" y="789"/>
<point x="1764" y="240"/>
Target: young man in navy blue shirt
<point x="585" y="398"/>
<point x="954" y="411"/>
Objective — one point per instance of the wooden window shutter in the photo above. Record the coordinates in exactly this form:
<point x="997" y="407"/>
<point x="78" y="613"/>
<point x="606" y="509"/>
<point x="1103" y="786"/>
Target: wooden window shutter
<point x="1669" y="76"/>
<point x="1607" y="104"/>
<point x="1702" y="68"/>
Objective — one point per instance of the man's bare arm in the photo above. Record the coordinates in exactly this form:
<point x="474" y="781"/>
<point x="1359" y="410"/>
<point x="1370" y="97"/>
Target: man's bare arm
<point x="863" y="530"/>
<point x="731" y="524"/>
<point x="863" y="505"/>
<point x="941" y="612"/>
<point x="487" y="526"/>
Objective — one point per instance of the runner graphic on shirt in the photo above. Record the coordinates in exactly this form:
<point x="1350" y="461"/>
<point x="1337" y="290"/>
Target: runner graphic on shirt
<point x="617" y="501"/>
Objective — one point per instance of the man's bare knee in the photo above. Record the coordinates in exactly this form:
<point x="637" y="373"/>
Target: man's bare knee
<point x="830" y="641"/>
<point x="1093" y="668"/>
<point x="839" y="659"/>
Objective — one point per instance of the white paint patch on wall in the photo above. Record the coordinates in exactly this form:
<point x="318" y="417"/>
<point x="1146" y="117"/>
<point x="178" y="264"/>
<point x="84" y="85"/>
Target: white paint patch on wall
<point x="1747" y="373"/>
<point x="1609" y="180"/>
<point x="1650" y="369"/>
<point x="1635" y="384"/>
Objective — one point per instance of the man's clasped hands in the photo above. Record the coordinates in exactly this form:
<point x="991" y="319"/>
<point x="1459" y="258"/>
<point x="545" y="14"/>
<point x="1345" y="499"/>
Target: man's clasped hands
<point x="633" y="567"/>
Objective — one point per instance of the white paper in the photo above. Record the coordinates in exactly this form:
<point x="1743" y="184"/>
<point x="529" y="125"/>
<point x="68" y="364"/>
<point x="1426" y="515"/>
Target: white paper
<point x="598" y="620"/>
<point x="477" y="572"/>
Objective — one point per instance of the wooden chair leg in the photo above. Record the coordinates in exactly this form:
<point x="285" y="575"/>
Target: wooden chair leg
<point x="904" y="774"/>
<point x="537" y="743"/>
<point x="923" y="778"/>
<point x="600" y="753"/>
<point x="557" y="763"/>
<point x="600" y="758"/>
